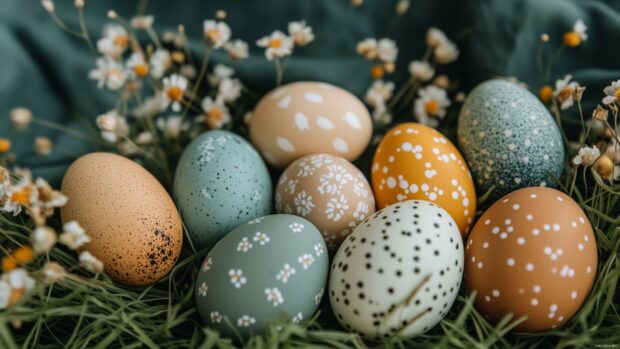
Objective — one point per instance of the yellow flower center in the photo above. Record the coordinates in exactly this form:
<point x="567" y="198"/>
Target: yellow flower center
<point x="22" y="197"/>
<point x="432" y="107"/>
<point x="572" y="39"/>
<point x="5" y="145"/>
<point x="213" y="35"/>
<point x="23" y="255"/>
<point x="545" y="93"/>
<point x="617" y="94"/>
<point x="121" y="40"/>
<point x="16" y="295"/>
<point x="215" y="114"/>
<point x="275" y="43"/>
<point x="174" y="93"/>
<point x="141" y="69"/>
<point x="377" y="71"/>
<point x="8" y="263"/>
<point x="565" y="94"/>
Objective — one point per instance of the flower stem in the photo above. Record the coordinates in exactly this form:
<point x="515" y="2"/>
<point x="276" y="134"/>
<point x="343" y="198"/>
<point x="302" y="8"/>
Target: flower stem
<point x="201" y="75"/>
<point x="85" y="34"/>
<point x="67" y="130"/>
<point x="279" y="72"/>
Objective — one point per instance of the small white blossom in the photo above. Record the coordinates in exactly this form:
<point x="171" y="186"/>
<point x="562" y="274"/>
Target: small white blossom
<point x="143" y="22"/>
<point x="580" y="28"/>
<point x="73" y="235"/>
<point x="301" y="33"/>
<point x="237" y="49"/>
<point x="43" y="238"/>
<point x="216" y="33"/>
<point x="90" y="262"/>
<point x="435" y="37"/>
<point x="229" y="89"/>
<point x="21" y="118"/>
<point x="172" y="125"/>
<point x="114" y="42"/>
<point x="174" y="88"/>
<point x="446" y="53"/>
<point x="144" y="138"/>
<point x="421" y="70"/>
<point x="277" y="45"/>
<point x="367" y="48"/>
<point x="48" y="5"/>
<point x="137" y="65"/>
<point x="112" y="126"/>
<point x="564" y="91"/>
<point x="587" y="156"/>
<point x="431" y="105"/>
<point x="109" y="73"/>
<point x="387" y="50"/>
<point x="220" y="72"/>
<point x="42" y="145"/>
<point x="151" y="106"/>
<point x="160" y="62"/>
<point x="612" y="93"/>
<point x="52" y="272"/>
<point x="216" y="112"/>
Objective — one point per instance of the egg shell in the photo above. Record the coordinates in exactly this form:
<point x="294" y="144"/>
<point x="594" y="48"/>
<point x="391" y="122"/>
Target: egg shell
<point x="305" y="118"/>
<point x="398" y="272"/>
<point x="327" y="190"/>
<point x="134" y="227"/>
<point x="509" y="138"/>
<point x="220" y="183"/>
<point x="414" y="161"/>
<point x="270" y="269"/>
<point x="532" y="253"/>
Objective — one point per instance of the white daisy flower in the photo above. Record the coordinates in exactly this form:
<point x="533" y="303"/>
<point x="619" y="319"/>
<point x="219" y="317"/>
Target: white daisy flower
<point x="21" y="118"/>
<point x="581" y="29"/>
<point x="565" y="91"/>
<point x="237" y="49"/>
<point x="379" y="93"/>
<point x="229" y="89"/>
<point x="587" y="156"/>
<point x="387" y="50"/>
<point x="278" y="45"/>
<point x="446" y="52"/>
<point x="160" y="62"/>
<point x="612" y="93"/>
<point x="216" y="33"/>
<point x="174" y="88"/>
<point x="367" y="48"/>
<point x="151" y="106"/>
<point x="431" y="105"/>
<point x="90" y="262"/>
<point x="137" y="65"/>
<point x="114" y="42"/>
<point x="112" y="126"/>
<point x="43" y="238"/>
<point x="216" y="112"/>
<point x="73" y="235"/>
<point x="421" y="70"/>
<point x="301" y="33"/>
<point x="109" y="73"/>
<point x="435" y="37"/>
<point x="172" y="125"/>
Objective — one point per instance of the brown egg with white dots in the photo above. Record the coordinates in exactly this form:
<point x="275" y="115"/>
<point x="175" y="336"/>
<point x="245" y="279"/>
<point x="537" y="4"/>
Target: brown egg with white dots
<point x="134" y="227"/>
<point x="532" y="253"/>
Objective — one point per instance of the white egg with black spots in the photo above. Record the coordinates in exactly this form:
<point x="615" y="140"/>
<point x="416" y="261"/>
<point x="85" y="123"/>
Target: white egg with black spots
<point x="399" y="272"/>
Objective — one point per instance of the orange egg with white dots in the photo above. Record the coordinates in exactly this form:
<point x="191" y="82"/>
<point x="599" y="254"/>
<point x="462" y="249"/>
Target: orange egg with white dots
<point x="416" y="162"/>
<point x="532" y="254"/>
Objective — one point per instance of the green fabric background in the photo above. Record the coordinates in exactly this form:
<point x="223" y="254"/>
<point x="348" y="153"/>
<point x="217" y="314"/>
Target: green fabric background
<point x="45" y="69"/>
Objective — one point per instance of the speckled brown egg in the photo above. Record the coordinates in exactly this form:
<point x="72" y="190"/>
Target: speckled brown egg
<point x="532" y="253"/>
<point x="328" y="191"/>
<point x="305" y="118"/>
<point x="135" y="228"/>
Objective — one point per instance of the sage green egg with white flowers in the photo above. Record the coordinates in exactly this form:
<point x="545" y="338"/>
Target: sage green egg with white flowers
<point x="220" y="183"/>
<point x="509" y="139"/>
<point x="271" y="269"/>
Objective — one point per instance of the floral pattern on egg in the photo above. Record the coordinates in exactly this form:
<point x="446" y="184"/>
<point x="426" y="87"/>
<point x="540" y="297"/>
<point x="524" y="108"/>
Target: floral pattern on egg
<point x="327" y="190"/>
<point x="532" y="253"/>
<point x="305" y="118"/>
<point x="509" y="138"/>
<point x="414" y="161"/>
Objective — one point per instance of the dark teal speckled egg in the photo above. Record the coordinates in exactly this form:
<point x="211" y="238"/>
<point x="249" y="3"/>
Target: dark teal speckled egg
<point x="220" y="183"/>
<point x="509" y="138"/>
<point x="271" y="269"/>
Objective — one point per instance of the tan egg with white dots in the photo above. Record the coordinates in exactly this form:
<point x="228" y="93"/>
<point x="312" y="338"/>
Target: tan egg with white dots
<point x="305" y="118"/>
<point x="532" y="253"/>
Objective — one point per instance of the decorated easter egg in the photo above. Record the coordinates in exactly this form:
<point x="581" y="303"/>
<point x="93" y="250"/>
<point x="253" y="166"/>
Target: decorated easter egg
<point x="327" y="190"/>
<point x="414" y="161"/>
<point x="271" y="269"/>
<point x="220" y="183"/>
<point x="134" y="227"/>
<point x="509" y="138"/>
<point x="532" y="253"/>
<point x="399" y="272"/>
<point x="305" y="118"/>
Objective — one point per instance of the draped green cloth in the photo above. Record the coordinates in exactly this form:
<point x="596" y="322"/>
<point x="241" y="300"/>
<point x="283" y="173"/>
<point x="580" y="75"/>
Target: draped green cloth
<point x="45" y="69"/>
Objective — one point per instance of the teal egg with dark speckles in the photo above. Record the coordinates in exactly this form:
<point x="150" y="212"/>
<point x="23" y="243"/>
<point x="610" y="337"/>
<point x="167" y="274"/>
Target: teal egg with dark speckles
<point x="509" y="138"/>
<point x="220" y="183"/>
<point x="271" y="269"/>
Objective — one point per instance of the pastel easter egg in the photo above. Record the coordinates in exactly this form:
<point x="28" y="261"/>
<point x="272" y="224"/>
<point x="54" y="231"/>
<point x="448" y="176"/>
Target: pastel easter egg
<point x="220" y="183"/>
<point x="509" y="138"/>
<point x="532" y="253"/>
<point x="305" y="118"/>
<point x="399" y="272"/>
<point x="414" y="161"/>
<point x="327" y="190"/>
<point x="271" y="269"/>
<point x="134" y="227"/>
